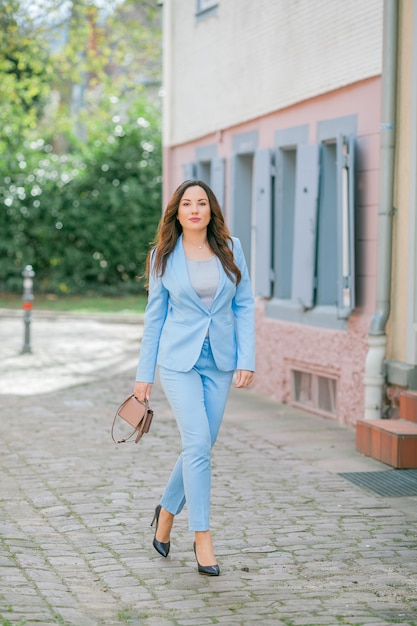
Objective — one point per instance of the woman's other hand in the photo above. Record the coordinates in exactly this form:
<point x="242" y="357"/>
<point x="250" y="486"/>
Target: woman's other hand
<point x="142" y="391"/>
<point x="243" y="378"/>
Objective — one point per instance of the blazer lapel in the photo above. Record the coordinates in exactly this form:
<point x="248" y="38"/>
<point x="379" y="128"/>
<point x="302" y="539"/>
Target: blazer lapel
<point x="180" y="273"/>
<point x="222" y="281"/>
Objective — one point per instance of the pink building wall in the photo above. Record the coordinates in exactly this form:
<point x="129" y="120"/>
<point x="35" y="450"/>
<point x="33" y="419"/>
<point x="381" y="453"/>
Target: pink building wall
<point x="282" y="345"/>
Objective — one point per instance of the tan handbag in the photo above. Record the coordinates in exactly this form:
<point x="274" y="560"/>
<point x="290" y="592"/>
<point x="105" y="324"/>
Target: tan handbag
<point x="136" y="413"/>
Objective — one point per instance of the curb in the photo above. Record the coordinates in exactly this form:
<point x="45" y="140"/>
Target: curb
<point x="112" y="318"/>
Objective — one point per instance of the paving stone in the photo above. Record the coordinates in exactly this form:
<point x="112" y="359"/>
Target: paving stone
<point x="297" y="544"/>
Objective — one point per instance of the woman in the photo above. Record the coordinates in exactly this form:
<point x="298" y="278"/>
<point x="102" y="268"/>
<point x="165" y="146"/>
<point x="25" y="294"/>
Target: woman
<point x="199" y="330"/>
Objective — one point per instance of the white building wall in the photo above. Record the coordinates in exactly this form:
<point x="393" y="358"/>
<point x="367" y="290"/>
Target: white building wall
<point x="279" y="52"/>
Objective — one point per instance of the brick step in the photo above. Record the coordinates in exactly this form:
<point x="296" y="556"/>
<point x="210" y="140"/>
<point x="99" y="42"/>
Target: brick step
<point x="393" y="442"/>
<point x="408" y="406"/>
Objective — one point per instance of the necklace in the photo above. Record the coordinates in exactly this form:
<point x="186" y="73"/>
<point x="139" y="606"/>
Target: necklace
<point x="196" y="245"/>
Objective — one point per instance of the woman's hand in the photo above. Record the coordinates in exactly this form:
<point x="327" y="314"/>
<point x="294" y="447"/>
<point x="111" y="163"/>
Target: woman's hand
<point x="142" y="391"/>
<point x="243" y="378"/>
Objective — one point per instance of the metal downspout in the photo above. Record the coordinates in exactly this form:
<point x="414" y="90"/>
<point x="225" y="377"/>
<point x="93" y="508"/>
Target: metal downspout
<point x="377" y="338"/>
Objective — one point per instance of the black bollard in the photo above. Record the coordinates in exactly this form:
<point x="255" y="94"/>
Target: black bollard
<point x="28" y="275"/>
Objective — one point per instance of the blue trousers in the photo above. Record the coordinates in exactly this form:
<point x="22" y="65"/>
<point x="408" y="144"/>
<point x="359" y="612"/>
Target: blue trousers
<point x="198" y="399"/>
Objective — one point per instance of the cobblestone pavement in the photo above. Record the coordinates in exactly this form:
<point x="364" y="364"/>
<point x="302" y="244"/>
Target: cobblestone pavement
<point x="297" y="543"/>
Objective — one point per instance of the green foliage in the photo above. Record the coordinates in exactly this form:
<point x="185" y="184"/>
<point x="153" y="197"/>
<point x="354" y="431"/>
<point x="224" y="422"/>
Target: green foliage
<point x="63" y="60"/>
<point x="83" y="222"/>
<point x="101" y="56"/>
<point x="25" y="75"/>
<point x="80" y="149"/>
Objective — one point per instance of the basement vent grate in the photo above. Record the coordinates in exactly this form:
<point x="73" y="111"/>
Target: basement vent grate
<point x="390" y="483"/>
<point x="314" y="392"/>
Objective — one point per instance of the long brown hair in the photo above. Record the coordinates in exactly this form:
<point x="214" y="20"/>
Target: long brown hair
<point x="169" y="229"/>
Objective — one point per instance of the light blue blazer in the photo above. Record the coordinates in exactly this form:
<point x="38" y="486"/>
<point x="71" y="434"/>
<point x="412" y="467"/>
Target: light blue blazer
<point x="177" y="320"/>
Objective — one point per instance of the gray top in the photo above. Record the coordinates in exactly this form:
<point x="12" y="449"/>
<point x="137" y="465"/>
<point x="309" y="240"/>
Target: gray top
<point x="204" y="278"/>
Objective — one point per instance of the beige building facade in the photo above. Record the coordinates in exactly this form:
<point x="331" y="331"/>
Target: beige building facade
<point x="401" y="350"/>
<point x="277" y="105"/>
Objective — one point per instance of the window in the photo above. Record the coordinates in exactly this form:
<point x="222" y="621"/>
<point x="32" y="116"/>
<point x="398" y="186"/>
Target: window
<point x="204" y="171"/>
<point x="189" y="170"/>
<point x="286" y="147"/>
<point x="242" y="212"/>
<point x="337" y="215"/>
<point x="313" y="247"/>
<point x="285" y="225"/>
<point x="327" y="244"/>
<point x="251" y="194"/>
<point x="204" y="158"/>
<point x="209" y="168"/>
<point x="204" y="8"/>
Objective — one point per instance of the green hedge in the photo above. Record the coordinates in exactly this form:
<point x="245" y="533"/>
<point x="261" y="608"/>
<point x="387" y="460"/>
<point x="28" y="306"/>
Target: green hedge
<point x="83" y="221"/>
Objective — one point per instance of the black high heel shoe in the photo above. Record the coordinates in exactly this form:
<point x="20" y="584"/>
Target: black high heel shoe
<point x="209" y="570"/>
<point x="162" y="548"/>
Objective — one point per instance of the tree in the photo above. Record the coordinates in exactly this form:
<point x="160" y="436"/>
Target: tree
<point x="80" y="173"/>
<point x="70" y="62"/>
<point x="84" y="221"/>
<point x="25" y="74"/>
<point x="105" y="57"/>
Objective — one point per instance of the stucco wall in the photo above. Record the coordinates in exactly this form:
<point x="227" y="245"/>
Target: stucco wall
<point x="340" y="354"/>
<point x="253" y="58"/>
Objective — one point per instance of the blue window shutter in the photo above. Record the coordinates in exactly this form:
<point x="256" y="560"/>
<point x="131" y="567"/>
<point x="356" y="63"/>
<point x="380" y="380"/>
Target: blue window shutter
<point x="217" y="179"/>
<point x="240" y="204"/>
<point x="203" y="172"/>
<point x="305" y="224"/>
<point x="262" y="228"/>
<point x="236" y="223"/>
<point x="232" y="213"/>
<point x="189" y="170"/>
<point x="346" y="225"/>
